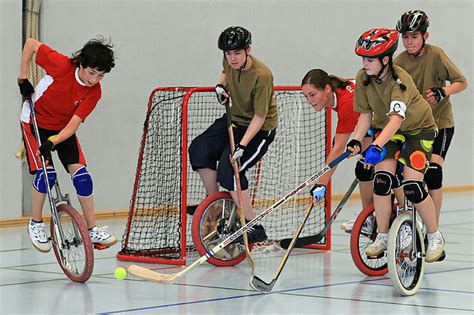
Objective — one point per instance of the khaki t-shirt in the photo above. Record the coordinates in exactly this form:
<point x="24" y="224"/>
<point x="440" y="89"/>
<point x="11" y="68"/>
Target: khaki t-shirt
<point x="379" y="98"/>
<point x="432" y="69"/>
<point x="252" y="95"/>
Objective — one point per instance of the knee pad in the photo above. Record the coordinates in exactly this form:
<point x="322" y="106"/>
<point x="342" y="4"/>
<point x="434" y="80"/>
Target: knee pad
<point x="39" y="182"/>
<point x="82" y="181"/>
<point x="414" y="191"/>
<point x="434" y="176"/>
<point x="362" y="174"/>
<point x="398" y="178"/>
<point x="383" y="182"/>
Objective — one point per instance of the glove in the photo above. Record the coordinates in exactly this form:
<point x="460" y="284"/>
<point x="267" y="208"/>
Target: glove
<point x="318" y="192"/>
<point x="238" y="151"/>
<point x="26" y="89"/>
<point x="45" y="148"/>
<point x="374" y="154"/>
<point x="354" y="143"/>
<point x="222" y="94"/>
<point x="439" y="93"/>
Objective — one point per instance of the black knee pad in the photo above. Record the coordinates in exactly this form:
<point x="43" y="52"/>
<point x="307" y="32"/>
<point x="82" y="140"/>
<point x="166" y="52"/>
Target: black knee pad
<point x="434" y="176"/>
<point x="414" y="191"/>
<point x="362" y="174"/>
<point x="383" y="182"/>
<point x="398" y="179"/>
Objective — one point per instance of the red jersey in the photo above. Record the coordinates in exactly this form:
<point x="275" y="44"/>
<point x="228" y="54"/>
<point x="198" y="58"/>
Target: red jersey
<point x="343" y="106"/>
<point x="61" y="94"/>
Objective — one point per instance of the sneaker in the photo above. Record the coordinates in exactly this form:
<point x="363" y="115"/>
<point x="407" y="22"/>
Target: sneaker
<point x="347" y="226"/>
<point x="378" y="246"/>
<point x="100" y="237"/>
<point x="38" y="236"/>
<point x="435" y="248"/>
<point x="255" y="235"/>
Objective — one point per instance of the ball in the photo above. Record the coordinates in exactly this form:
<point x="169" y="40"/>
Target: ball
<point x="120" y="273"/>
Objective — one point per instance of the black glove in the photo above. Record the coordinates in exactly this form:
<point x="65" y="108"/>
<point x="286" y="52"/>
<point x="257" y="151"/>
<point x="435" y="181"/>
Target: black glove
<point x="221" y="97"/>
<point x="439" y="93"/>
<point x="354" y="143"/>
<point x="26" y="89"/>
<point x="45" y="148"/>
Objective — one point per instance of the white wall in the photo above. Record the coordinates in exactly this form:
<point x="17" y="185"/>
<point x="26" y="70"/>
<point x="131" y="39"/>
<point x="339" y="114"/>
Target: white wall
<point x="168" y="43"/>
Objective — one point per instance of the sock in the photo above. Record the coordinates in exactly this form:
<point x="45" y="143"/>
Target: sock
<point x="38" y="222"/>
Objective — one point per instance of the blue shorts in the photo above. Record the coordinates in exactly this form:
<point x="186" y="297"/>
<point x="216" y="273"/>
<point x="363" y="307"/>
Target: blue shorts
<point x="211" y="150"/>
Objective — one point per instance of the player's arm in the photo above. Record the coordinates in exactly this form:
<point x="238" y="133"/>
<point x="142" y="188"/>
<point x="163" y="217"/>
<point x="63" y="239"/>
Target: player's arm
<point x="222" y="93"/>
<point x="437" y="94"/>
<point x="339" y="146"/>
<point x="29" y="49"/>
<point x="254" y="127"/>
<point x="363" y="124"/>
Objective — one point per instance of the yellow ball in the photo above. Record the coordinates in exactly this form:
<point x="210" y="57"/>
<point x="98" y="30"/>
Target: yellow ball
<point x="120" y="273"/>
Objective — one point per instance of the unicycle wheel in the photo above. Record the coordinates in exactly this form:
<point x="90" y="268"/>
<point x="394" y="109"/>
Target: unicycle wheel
<point x="75" y="255"/>
<point x="211" y="226"/>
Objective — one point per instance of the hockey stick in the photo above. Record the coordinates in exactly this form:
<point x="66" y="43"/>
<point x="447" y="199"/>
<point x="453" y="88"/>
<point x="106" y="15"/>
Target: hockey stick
<point x="235" y="166"/>
<point x="313" y="239"/>
<point x="260" y="285"/>
<point x="169" y="278"/>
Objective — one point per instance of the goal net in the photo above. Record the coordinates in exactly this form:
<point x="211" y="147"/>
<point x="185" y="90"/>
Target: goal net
<point x="158" y="229"/>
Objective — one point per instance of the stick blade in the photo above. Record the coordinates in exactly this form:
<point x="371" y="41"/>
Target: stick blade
<point x="148" y="274"/>
<point x="260" y="285"/>
<point x="301" y="242"/>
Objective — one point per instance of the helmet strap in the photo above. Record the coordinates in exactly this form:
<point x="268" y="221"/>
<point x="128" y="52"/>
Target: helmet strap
<point x="243" y="66"/>
<point x="378" y="77"/>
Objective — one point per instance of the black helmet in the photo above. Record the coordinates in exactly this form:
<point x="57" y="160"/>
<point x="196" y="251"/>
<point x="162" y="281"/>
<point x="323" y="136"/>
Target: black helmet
<point x="413" y="21"/>
<point x="233" y="38"/>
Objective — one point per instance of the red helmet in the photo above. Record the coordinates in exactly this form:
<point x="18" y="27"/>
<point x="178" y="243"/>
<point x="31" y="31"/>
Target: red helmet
<point x="413" y="21"/>
<point x="377" y="43"/>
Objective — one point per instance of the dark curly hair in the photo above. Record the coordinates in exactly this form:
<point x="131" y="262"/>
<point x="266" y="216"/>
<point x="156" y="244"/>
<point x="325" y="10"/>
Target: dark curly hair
<point x="97" y="54"/>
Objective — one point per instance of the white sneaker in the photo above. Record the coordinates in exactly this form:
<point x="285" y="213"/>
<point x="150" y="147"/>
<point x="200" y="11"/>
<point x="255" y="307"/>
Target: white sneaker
<point x="378" y="246"/>
<point x="100" y="237"/>
<point x="347" y="226"/>
<point x="38" y="236"/>
<point x="435" y="247"/>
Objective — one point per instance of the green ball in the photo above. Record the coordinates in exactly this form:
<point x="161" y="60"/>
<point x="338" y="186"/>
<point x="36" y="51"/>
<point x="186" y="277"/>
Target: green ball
<point x="120" y="273"/>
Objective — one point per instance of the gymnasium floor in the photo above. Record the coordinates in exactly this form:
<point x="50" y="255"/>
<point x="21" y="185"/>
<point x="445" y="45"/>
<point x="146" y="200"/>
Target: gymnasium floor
<point x="312" y="282"/>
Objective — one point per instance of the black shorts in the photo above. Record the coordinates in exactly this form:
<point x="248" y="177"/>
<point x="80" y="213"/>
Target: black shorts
<point x="211" y="150"/>
<point x="443" y="141"/>
<point x="69" y="150"/>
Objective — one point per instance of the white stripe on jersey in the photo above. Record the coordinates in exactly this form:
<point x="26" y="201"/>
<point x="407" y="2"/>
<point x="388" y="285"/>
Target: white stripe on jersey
<point x="42" y="86"/>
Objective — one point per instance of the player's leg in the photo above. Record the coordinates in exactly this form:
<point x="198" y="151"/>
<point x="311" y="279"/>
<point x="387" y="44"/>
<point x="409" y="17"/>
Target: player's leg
<point x="415" y="156"/>
<point x="384" y="177"/>
<point x="434" y="174"/>
<point x="36" y="226"/>
<point x="204" y="152"/>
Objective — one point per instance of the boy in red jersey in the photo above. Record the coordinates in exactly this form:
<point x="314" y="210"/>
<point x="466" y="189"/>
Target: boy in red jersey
<point x="63" y="99"/>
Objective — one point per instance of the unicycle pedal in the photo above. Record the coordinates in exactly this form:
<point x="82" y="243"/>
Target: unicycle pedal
<point x="101" y="247"/>
<point x="376" y="257"/>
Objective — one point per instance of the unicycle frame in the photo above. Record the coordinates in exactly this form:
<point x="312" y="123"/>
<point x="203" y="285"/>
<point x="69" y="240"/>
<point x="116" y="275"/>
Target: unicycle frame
<point x="53" y="201"/>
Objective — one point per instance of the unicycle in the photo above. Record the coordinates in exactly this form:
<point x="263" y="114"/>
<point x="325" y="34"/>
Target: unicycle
<point x="215" y="219"/>
<point x="69" y="236"/>
<point x="406" y="251"/>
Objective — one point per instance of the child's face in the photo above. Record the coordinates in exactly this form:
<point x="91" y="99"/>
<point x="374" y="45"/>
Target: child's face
<point x="371" y="66"/>
<point x="316" y="97"/>
<point x="90" y="76"/>
<point x="236" y="58"/>
<point x="412" y="42"/>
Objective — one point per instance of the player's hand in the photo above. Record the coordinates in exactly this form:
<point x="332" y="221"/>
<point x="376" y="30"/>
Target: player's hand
<point x="374" y="154"/>
<point x="435" y="95"/>
<point x="222" y="94"/>
<point x="318" y="192"/>
<point x="46" y="148"/>
<point x="238" y="152"/>
<point x="26" y="89"/>
<point x="354" y="146"/>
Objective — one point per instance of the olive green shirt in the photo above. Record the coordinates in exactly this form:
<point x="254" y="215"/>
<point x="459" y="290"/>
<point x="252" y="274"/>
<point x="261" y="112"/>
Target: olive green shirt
<point x="385" y="99"/>
<point x="252" y="95"/>
<point x="432" y="69"/>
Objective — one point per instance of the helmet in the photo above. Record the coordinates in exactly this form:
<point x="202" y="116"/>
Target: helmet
<point x="377" y="43"/>
<point x="413" y="21"/>
<point x="233" y="38"/>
